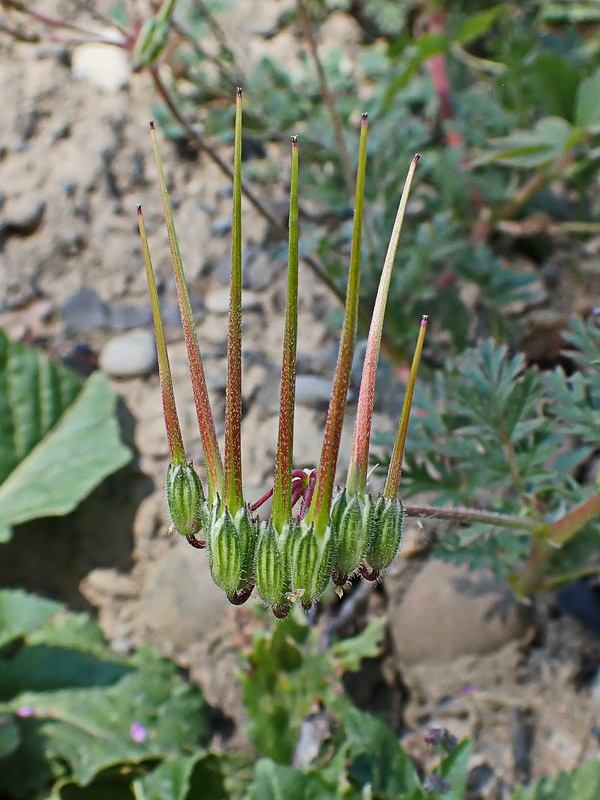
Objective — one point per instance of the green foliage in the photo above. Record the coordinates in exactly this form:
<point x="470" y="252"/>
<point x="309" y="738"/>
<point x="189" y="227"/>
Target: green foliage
<point x="514" y="131"/>
<point x="79" y="722"/>
<point x="59" y="437"/>
<point x="73" y="712"/>
<point x="288" y="675"/>
<point x="489" y="432"/>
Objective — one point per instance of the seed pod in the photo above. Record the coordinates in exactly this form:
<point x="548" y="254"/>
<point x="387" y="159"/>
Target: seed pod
<point x="310" y="558"/>
<point x="351" y="522"/>
<point x="225" y="554"/>
<point x="185" y="500"/>
<point x="246" y="528"/>
<point x="387" y="533"/>
<point x="271" y="570"/>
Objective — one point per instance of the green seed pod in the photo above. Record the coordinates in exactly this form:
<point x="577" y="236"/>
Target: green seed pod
<point x="225" y="556"/>
<point x="185" y="500"/>
<point x="153" y="36"/>
<point x="150" y="43"/>
<point x="310" y="558"/>
<point x="248" y="534"/>
<point x="351" y="522"/>
<point x="270" y="568"/>
<point x="387" y="534"/>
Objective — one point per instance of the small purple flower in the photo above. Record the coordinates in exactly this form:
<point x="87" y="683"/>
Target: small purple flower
<point x="24" y="712"/>
<point x="441" y="737"/>
<point x="138" y="733"/>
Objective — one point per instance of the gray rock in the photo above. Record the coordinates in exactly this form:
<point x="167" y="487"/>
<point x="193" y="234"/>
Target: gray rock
<point x="126" y="316"/>
<point x="259" y="270"/>
<point x="313" y="391"/>
<point x="130" y="355"/>
<point x="449" y="611"/>
<point x="83" y="312"/>
<point x="180" y="603"/>
<point x="221" y="226"/>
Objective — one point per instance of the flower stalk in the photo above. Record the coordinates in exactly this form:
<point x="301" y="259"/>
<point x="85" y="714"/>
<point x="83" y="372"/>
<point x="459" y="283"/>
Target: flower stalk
<point x="359" y="459"/>
<point x="311" y="535"/>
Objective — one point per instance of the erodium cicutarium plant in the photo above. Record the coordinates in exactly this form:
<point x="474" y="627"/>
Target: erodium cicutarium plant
<point x="316" y="531"/>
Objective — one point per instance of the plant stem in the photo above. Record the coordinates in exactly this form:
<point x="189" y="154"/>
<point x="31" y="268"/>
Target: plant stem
<point x="468" y="516"/>
<point x="395" y="469"/>
<point x="278" y="227"/>
<point x="203" y="410"/>
<point x="319" y="510"/>
<point x="233" y="493"/>
<point x="359" y="457"/>
<point x="176" y="447"/>
<point x="282" y="489"/>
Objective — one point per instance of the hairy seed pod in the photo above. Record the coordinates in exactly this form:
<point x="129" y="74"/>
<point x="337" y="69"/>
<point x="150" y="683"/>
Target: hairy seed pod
<point x="310" y="558"/>
<point x="185" y="500"/>
<point x="387" y="533"/>
<point x="351" y="522"/>
<point x="225" y="556"/>
<point x="246" y="528"/>
<point x="270" y="567"/>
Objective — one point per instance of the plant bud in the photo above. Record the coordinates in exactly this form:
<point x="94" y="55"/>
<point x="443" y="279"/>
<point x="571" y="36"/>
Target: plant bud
<point x="271" y="570"/>
<point x="351" y="522"/>
<point x="185" y="500"/>
<point x="387" y="534"/>
<point x="225" y="553"/>
<point x="310" y="558"/>
<point x="150" y="43"/>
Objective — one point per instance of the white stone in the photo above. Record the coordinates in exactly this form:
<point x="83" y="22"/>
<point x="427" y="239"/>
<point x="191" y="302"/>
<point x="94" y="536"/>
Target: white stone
<point x="103" y="65"/>
<point x="129" y="356"/>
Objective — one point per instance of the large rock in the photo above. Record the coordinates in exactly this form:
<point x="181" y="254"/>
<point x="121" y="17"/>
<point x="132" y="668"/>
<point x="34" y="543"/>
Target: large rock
<point x="449" y="611"/>
<point x="180" y="602"/>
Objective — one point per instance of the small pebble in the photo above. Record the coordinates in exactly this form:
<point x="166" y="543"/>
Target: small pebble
<point x="83" y="312"/>
<point x="102" y="65"/>
<point x="130" y="355"/>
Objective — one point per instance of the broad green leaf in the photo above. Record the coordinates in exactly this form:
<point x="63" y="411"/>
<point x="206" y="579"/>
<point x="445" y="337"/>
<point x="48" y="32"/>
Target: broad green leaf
<point x="9" y="735"/>
<point x="57" y="443"/>
<point x="587" y="104"/>
<point x="222" y="777"/>
<point x="169" y="781"/>
<point x="276" y="782"/>
<point x="21" y="613"/>
<point x="557" y="82"/>
<point x="149" y="713"/>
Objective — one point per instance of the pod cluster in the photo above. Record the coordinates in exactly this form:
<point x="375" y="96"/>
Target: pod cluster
<point x="293" y="562"/>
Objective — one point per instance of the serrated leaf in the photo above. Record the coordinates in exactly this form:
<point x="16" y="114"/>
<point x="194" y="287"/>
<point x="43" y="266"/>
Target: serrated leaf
<point x="54" y="459"/>
<point x="373" y="757"/>
<point x="147" y="714"/>
<point x="348" y="653"/>
<point x="21" y="613"/>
